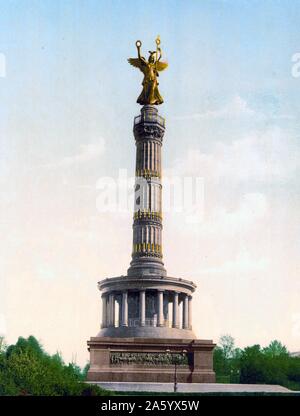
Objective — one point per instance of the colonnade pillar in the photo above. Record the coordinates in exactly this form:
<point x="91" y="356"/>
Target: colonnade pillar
<point x="142" y="307"/>
<point x="160" y="312"/>
<point x="175" y="323"/>
<point x="111" y="309"/>
<point x="104" y="311"/>
<point x="190" y="312"/>
<point x="124" y="309"/>
<point x="185" y="312"/>
<point x="108" y="309"/>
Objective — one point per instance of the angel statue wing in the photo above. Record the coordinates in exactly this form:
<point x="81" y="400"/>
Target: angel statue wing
<point x="160" y="66"/>
<point x="137" y="62"/>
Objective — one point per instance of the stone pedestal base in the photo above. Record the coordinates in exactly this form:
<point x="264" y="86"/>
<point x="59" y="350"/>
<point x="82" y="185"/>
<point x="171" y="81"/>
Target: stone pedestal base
<point x="150" y="360"/>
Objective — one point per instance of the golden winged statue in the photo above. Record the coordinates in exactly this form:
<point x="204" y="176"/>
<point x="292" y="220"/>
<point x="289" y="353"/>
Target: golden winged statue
<point x="150" y="69"/>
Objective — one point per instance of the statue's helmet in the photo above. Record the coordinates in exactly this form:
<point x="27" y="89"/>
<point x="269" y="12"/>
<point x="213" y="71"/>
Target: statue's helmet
<point x="151" y="59"/>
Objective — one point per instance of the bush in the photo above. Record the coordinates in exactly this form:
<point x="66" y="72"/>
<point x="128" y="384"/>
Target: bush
<point x="254" y="365"/>
<point x="26" y="369"/>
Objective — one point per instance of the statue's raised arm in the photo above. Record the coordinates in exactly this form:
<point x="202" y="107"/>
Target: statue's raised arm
<point x="140" y="61"/>
<point x="150" y="94"/>
<point x="138" y="45"/>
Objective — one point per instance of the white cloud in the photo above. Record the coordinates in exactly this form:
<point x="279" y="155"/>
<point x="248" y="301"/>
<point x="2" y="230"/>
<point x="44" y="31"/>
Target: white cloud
<point x="252" y="207"/>
<point x="221" y="222"/>
<point x="270" y="155"/>
<point x="86" y="153"/>
<point x="260" y="156"/>
<point x="235" y="108"/>
<point x="241" y="264"/>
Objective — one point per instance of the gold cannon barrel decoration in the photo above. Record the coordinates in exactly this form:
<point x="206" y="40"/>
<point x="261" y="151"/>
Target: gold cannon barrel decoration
<point x="151" y="68"/>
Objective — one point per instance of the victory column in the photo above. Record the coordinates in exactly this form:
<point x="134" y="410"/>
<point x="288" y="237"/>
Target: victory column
<point x="140" y="334"/>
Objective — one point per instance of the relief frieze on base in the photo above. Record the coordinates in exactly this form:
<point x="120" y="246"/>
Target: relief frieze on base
<point x="151" y="359"/>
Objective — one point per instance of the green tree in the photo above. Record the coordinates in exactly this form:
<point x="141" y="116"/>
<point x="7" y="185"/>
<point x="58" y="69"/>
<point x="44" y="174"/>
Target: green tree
<point x="3" y="345"/>
<point x="226" y="343"/>
<point x="294" y="373"/>
<point x="25" y="368"/>
<point x="227" y="360"/>
<point x="85" y="371"/>
<point x="252" y="365"/>
<point x="269" y="365"/>
<point x="275" y="349"/>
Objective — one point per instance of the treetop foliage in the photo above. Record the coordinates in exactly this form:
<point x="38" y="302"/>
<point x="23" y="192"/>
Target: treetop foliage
<point x="26" y="369"/>
<point x="256" y="365"/>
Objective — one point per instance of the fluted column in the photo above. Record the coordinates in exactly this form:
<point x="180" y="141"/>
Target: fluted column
<point x="185" y="312"/>
<point x="175" y="323"/>
<point x="111" y="309"/>
<point x="149" y="130"/>
<point x="142" y="307"/>
<point x="190" y="312"/>
<point x="124" y="309"/>
<point x="119" y="300"/>
<point x="107" y="311"/>
<point x="104" y="311"/>
<point x="160" y="303"/>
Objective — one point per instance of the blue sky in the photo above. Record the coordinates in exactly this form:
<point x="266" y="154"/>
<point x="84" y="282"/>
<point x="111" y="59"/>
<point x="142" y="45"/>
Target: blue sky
<point x="65" y="58"/>
<point x="232" y="111"/>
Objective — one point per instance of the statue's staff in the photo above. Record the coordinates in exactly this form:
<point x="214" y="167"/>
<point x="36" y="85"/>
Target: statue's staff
<point x="157" y="41"/>
<point x="138" y="45"/>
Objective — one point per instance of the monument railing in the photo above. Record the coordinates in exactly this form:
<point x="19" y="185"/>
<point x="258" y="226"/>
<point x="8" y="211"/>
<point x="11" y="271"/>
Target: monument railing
<point x="135" y="322"/>
<point x="149" y="119"/>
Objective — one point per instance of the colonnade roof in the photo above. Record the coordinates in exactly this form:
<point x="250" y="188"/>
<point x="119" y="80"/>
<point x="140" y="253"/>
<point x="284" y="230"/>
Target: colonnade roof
<point x="147" y="283"/>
